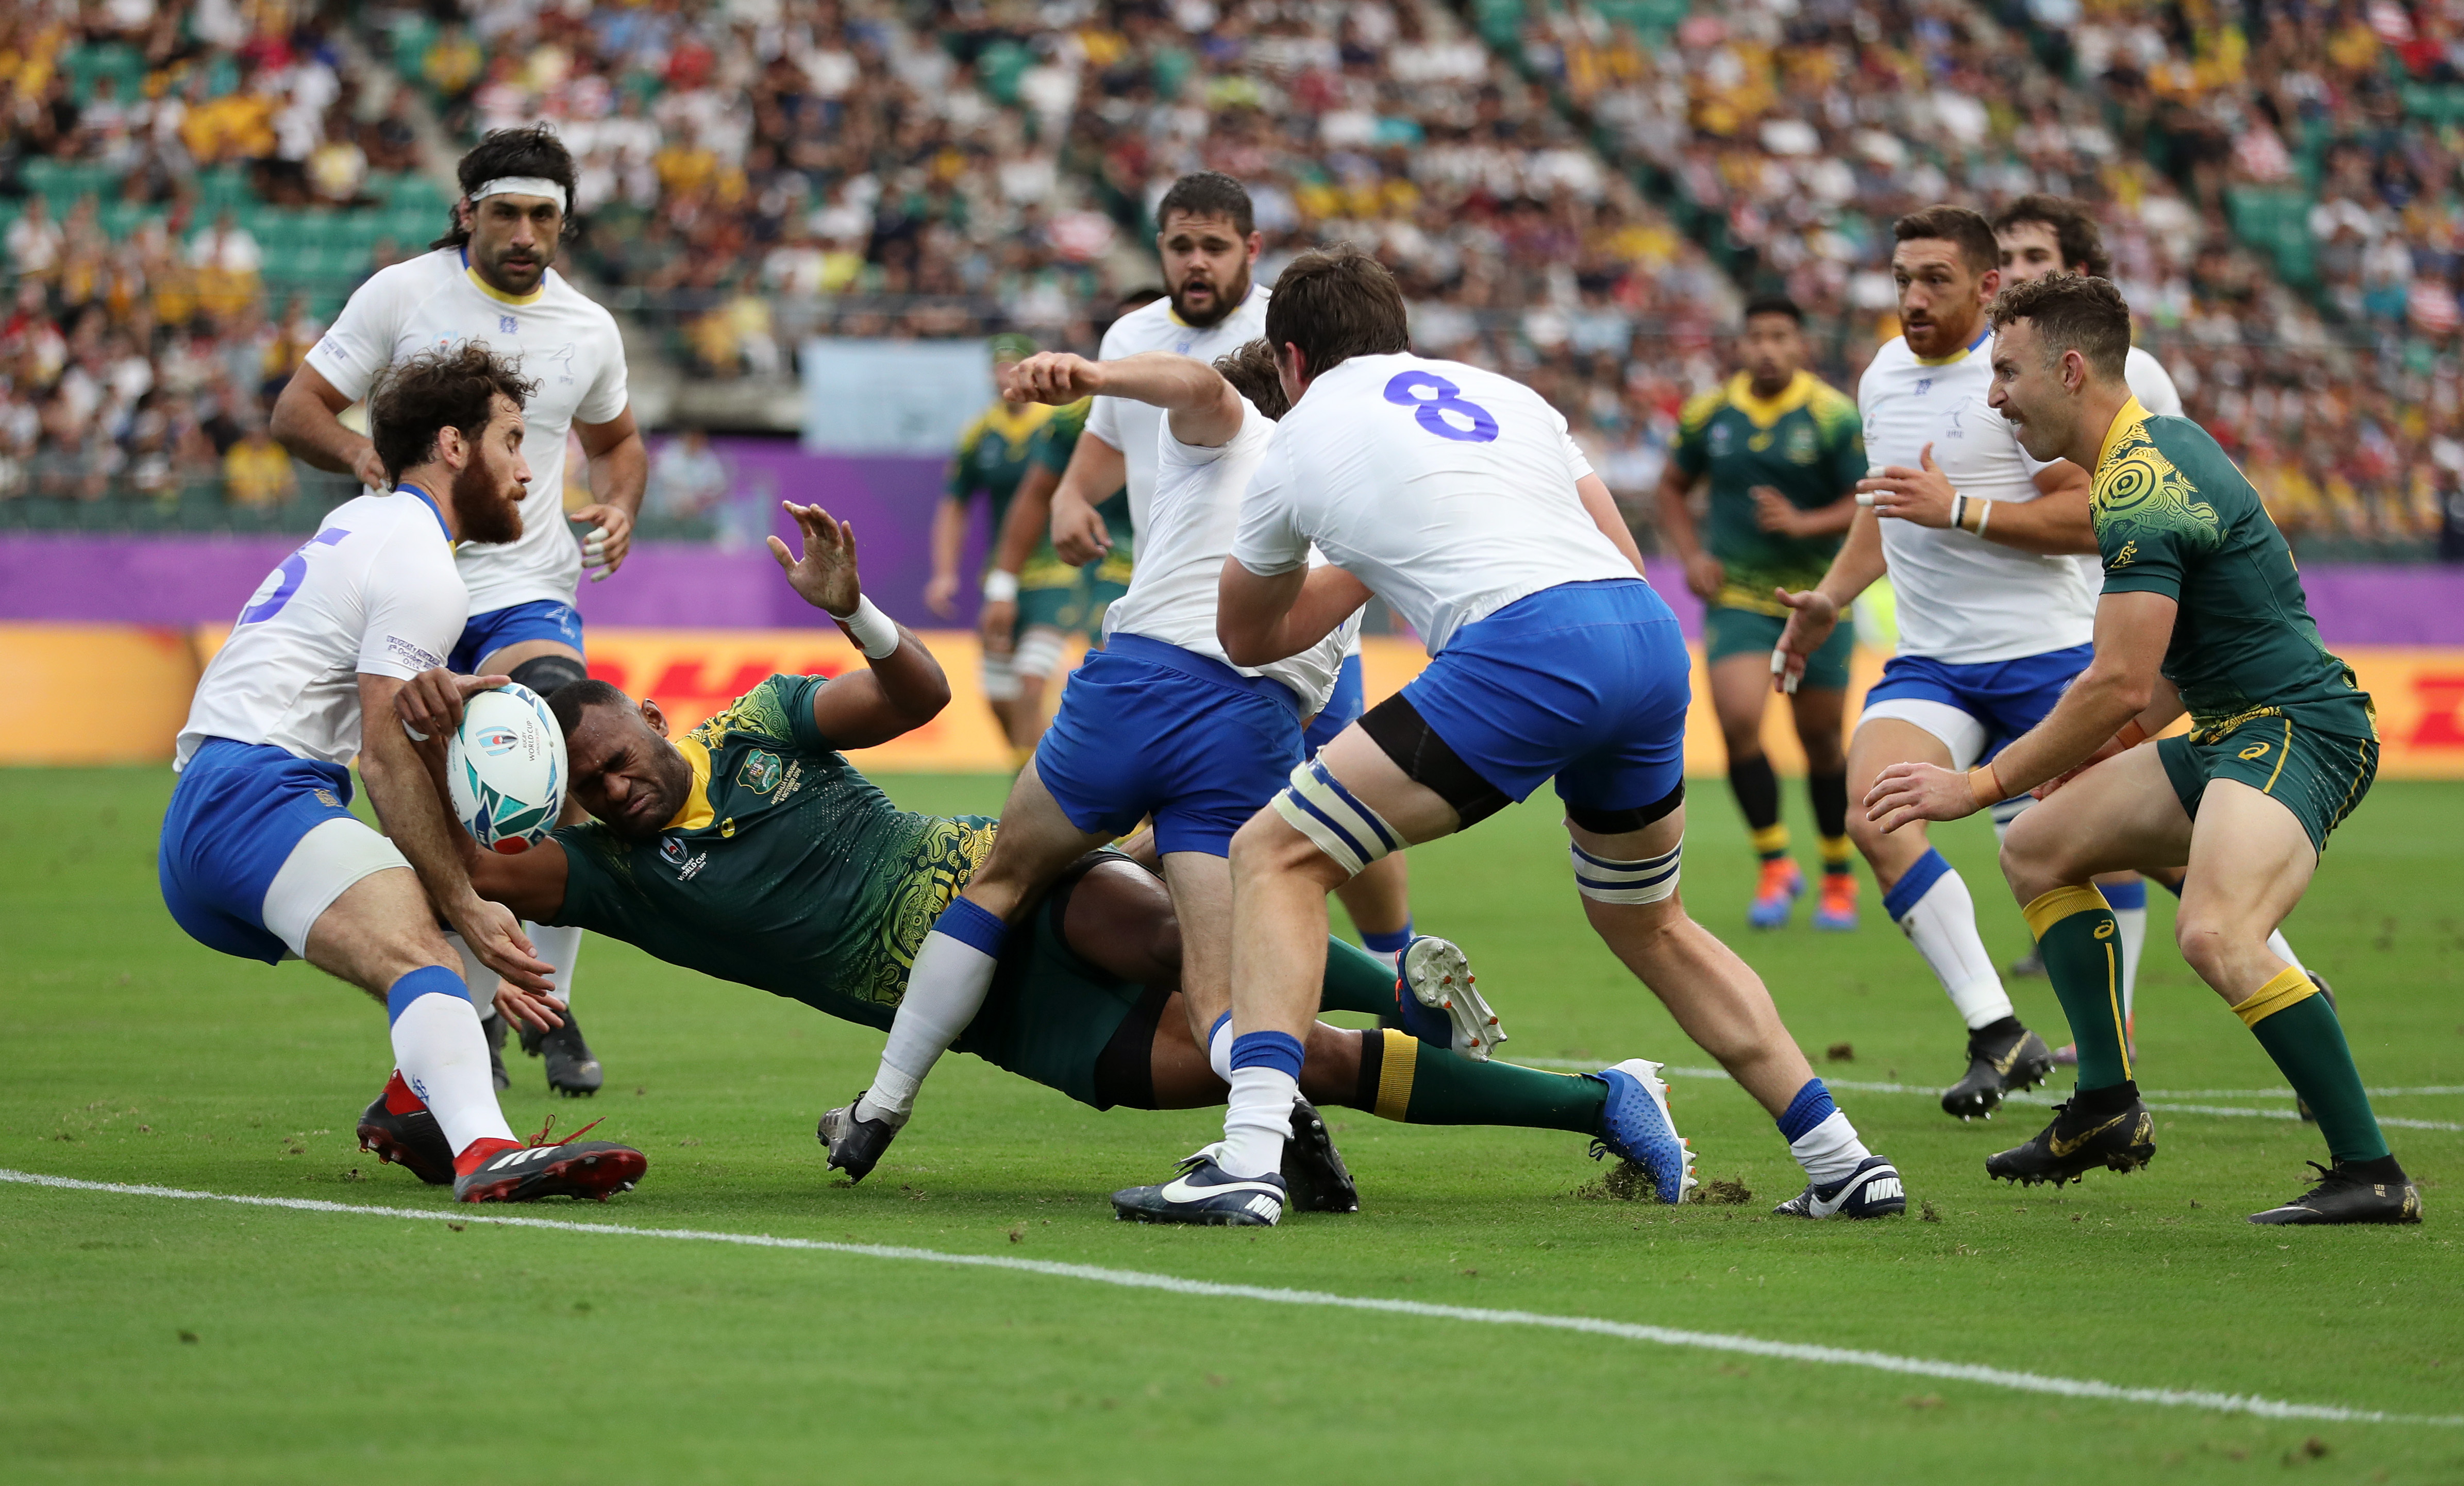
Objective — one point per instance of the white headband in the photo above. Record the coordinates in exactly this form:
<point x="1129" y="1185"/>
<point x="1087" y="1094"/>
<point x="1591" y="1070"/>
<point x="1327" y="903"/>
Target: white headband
<point x="520" y="185"/>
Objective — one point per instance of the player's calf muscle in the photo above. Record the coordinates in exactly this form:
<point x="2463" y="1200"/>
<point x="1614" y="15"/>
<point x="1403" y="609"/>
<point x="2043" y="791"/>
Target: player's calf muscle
<point x="378" y="931"/>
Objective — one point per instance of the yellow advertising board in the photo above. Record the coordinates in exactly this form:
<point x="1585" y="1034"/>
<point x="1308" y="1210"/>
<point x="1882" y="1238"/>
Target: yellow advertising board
<point x="110" y="694"/>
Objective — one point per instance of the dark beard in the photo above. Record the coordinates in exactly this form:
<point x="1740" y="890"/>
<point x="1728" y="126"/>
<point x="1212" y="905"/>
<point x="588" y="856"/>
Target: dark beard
<point x="1226" y="300"/>
<point x="481" y="515"/>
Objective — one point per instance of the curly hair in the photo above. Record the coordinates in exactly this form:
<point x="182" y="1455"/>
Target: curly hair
<point x="2071" y="313"/>
<point x="454" y="387"/>
<point x="1251" y="371"/>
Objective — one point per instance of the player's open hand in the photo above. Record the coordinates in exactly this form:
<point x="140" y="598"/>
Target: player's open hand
<point x="1922" y="496"/>
<point x="528" y="1008"/>
<point x="496" y="935"/>
<point x="941" y="594"/>
<point x="996" y="625"/>
<point x="370" y="469"/>
<point x="1919" y="792"/>
<point x="1079" y="535"/>
<point x="1054" y="377"/>
<point x="825" y="577"/>
<point x="610" y="538"/>
<point x="1812" y="617"/>
<point x="429" y="703"/>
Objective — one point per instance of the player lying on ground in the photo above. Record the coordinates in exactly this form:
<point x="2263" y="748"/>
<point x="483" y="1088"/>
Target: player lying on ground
<point x="2202" y="610"/>
<point x="752" y="850"/>
<point x="261" y="859"/>
<point x="1457" y="495"/>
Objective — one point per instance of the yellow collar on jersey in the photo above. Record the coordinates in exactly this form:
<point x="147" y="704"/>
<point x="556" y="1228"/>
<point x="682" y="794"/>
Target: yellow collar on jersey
<point x="1765" y="413"/>
<point x="1018" y="424"/>
<point x="498" y="294"/>
<point x="696" y="812"/>
<point x="1982" y="336"/>
<point x="2131" y="416"/>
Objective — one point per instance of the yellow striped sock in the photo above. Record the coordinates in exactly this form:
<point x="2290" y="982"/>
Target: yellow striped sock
<point x="1772" y="841"/>
<point x="2289" y="985"/>
<point x="1837" y="853"/>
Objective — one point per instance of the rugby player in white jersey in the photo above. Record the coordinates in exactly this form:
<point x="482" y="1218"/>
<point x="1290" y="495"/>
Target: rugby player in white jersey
<point x="1207" y="239"/>
<point x="2042" y="235"/>
<point x="1457" y="496"/>
<point x="1996" y="603"/>
<point x="261" y="859"/>
<point x="491" y="280"/>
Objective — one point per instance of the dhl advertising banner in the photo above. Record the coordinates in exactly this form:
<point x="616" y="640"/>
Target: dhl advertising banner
<point x="97" y="693"/>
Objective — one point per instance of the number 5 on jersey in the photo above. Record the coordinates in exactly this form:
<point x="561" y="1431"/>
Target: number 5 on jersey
<point x="1438" y="413"/>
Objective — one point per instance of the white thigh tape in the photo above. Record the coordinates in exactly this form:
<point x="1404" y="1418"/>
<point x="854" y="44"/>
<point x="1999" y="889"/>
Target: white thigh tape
<point x="1341" y="826"/>
<point x="999" y="677"/>
<point x="1648" y="880"/>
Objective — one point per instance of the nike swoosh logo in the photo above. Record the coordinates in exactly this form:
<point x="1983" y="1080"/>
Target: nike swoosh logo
<point x="1179" y="1190"/>
<point x="2063" y="1147"/>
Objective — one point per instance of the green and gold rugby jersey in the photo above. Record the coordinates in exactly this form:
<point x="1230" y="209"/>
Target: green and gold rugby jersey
<point x="1054" y="443"/>
<point x="1805" y="443"/>
<point x="993" y="457"/>
<point x="787" y="868"/>
<point x="2174" y="516"/>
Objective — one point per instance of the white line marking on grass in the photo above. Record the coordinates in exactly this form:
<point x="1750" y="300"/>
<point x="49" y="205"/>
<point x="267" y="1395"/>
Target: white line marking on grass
<point x="1137" y="1279"/>
<point x="1863" y="1087"/>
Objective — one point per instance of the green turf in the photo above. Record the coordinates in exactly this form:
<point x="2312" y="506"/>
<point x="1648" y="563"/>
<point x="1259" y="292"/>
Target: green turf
<point x="327" y="1346"/>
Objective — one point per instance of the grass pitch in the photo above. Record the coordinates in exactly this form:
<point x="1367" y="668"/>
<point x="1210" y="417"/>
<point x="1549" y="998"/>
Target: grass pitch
<point x="150" y="1338"/>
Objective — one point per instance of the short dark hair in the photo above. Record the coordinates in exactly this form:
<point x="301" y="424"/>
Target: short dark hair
<point x="1138" y="299"/>
<point x="1335" y="303"/>
<point x="453" y="386"/>
<point x="2075" y="234"/>
<point x="1774" y="304"/>
<point x="1208" y="193"/>
<point x="569" y="701"/>
<point x="533" y="150"/>
<point x="2071" y="313"/>
<point x="1251" y="371"/>
<point x="1965" y="229"/>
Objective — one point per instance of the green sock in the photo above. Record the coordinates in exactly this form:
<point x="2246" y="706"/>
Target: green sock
<point x="2300" y="1030"/>
<point x="1356" y="981"/>
<point x="2081" y="945"/>
<point x="1404" y="1079"/>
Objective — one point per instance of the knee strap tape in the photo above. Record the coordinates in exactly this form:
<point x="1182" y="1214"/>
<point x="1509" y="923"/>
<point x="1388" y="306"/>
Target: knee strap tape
<point x="1037" y="652"/>
<point x="1349" y="832"/>
<point x="1648" y="880"/>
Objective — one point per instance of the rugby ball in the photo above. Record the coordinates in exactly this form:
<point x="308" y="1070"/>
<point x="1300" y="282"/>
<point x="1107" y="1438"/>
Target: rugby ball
<point x="505" y="765"/>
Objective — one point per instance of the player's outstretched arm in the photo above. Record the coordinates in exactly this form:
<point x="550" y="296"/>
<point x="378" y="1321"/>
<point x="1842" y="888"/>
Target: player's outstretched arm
<point x="1205" y="411"/>
<point x="307" y="421"/>
<point x="902" y="686"/>
<point x="620" y="470"/>
<point x="406" y="802"/>
<point x="2118" y="687"/>
<point x="2055" y="524"/>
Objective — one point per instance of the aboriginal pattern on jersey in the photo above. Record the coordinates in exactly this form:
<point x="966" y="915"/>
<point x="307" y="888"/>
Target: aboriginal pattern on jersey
<point x="2138" y="490"/>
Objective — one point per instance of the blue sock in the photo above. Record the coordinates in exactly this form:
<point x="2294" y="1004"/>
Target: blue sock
<point x="1810" y="1106"/>
<point x="2124" y="896"/>
<point x="1280" y="1051"/>
<point x="1395" y="943"/>
<point x="1914" y="884"/>
<point x="975" y="927"/>
<point x="432" y="980"/>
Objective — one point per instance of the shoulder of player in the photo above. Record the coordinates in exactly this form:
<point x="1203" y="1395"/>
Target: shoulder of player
<point x="1140" y="330"/>
<point x="1700" y="409"/>
<point x="1829" y="404"/>
<point x="561" y="294"/>
<point x="760" y="715"/>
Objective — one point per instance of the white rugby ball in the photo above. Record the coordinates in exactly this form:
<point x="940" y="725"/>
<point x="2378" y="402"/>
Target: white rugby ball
<point x="505" y="765"/>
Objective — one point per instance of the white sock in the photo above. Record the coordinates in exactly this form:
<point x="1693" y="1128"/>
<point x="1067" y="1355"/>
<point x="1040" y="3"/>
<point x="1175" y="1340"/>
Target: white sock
<point x="477" y="977"/>
<point x="945" y="990"/>
<point x="1218" y="1047"/>
<point x="1932" y="907"/>
<point x="561" y="946"/>
<point x="1830" y="1152"/>
<point x="2282" y="951"/>
<point x="1259" y="1120"/>
<point x="2133" y="928"/>
<point x="443" y="1056"/>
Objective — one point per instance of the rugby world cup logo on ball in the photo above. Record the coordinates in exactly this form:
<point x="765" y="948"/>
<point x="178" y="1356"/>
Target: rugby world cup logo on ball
<point x="505" y="765"/>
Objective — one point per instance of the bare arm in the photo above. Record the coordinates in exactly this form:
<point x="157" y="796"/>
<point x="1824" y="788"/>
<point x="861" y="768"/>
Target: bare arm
<point x="2132" y="630"/>
<point x="1774" y="512"/>
<point x="949" y="537"/>
<point x="1097" y="470"/>
<point x="895" y="693"/>
<point x="2055" y="524"/>
<point x="1261" y="619"/>
<point x="1704" y="572"/>
<point x="620" y="470"/>
<point x="1205" y="411"/>
<point x="1815" y="611"/>
<point x="407" y="801"/>
<point x="1602" y="508"/>
<point x="307" y="422"/>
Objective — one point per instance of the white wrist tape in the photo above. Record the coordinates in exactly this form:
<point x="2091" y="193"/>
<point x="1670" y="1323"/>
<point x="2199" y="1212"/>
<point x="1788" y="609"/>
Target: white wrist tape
<point x="1320" y="808"/>
<point x="520" y="185"/>
<point x="1606" y="881"/>
<point x="874" y="633"/>
<point x="1001" y="587"/>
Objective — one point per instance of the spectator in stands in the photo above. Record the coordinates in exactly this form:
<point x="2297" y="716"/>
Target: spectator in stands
<point x="257" y="470"/>
<point x="688" y="478"/>
<point x="34" y="241"/>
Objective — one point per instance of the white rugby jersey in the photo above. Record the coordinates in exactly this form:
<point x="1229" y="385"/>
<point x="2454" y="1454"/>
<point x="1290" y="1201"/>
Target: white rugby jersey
<point x="1962" y="600"/>
<point x="567" y="343"/>
<point x="1448" y="490"/>
<point x="1173" y="591"/>
<point x="2152" y="384"/>
<point x="374" y="591"/>
<point x="1132" y="427"/>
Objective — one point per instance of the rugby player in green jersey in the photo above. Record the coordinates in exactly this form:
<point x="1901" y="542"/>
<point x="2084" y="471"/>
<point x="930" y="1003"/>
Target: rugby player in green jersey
<point x="2203" y="612"/>
<point x="1782" y="452"/>
<point x="751" y="849"/>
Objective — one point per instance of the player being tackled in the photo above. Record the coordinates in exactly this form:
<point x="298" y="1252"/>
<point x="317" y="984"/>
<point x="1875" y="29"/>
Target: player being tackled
<point x="2202" y="611"/>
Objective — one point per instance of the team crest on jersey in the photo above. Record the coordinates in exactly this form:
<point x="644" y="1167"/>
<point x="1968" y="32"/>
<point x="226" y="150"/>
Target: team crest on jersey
<point x="507" y="324"/>
<point x="1719" y="440"/>
<point x="760" y="773"/>
<point x="671" y="851"/>
<point x="1924" y="384"/>
<point x="1801" y="446"/>
<point x="1760" y="443"/>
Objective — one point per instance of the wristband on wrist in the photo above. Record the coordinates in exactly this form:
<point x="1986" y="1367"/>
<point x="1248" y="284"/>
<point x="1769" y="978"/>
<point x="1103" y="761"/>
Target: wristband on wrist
<point x="1959" y="511"/>
<point x="1001" y="587"/>
<point x="1990" y="792"/>
<point x="2131" y="734"/>
<point x="874" y="633"/>
<point x="1984" y="514"/>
